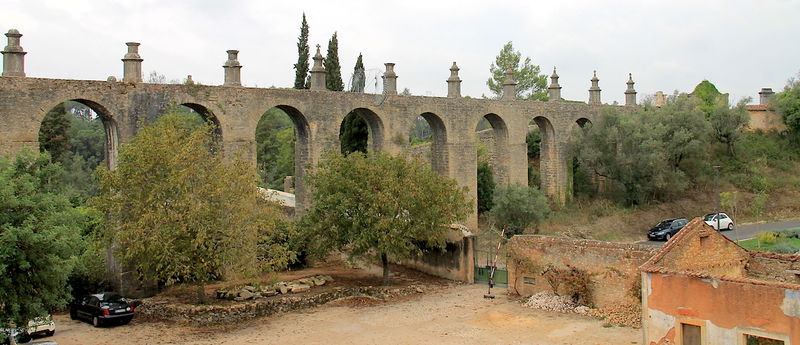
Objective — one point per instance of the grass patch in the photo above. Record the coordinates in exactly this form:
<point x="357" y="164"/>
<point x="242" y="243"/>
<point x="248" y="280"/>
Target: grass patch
<point x="781" y="239"/>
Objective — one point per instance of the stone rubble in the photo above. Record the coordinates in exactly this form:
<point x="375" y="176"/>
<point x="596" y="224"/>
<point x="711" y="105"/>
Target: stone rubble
<point x="249" y="292"/>
<point x="627" y="313"/>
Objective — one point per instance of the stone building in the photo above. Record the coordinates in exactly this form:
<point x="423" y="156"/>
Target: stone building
<point x="702" y="288"/>
<point x="761" y="116"/>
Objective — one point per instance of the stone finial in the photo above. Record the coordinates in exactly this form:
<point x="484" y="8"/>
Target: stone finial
<point x="661" y="99"/>
<point x="13" y="56"/>
<point x="594" y="91"/>
<point x="233" y="69"/>
<point x="554" y="90"/>
<point x="318" y="72"/>
<point x="132" y="64"/>
<point x="454" y="82"/>
<point x="389" y="80"/>
<point x="509" y="86"/>
<point x="111" y="78"/>
<point x="630" y="93"/>
<point x="764" y="95"/>
<point x="189" y="80"/>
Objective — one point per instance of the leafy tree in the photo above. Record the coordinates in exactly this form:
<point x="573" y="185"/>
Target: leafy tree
<point x="628" y="148"/>
<point x="53" y="133"/>
<point x="708" y="95"/>
<point x="380" y="207"/>
<point x="727" y="124"/>
<point x="787" y="104"/>
<point x="516" y="207"/>
<point x="359" y="80"/>
<point x="485" y="187"/>
<point x="354" y="134"/>
<point x="534" y="141"/>
<point x="301" y="76"/>
<point x="531" y="84"/>
<point x="275" y="140"/>
<point x="39" y="239"/>
<point x="199" y="212"/>
<point x="333" y="72"/>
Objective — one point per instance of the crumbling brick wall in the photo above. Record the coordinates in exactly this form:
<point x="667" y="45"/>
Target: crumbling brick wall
<point x="612" y="267"/>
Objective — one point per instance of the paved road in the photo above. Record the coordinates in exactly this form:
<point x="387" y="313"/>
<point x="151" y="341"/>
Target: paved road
<point x="744" y="232"/>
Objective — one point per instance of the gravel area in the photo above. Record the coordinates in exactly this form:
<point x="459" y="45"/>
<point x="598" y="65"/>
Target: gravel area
<point x="451" y="315"/>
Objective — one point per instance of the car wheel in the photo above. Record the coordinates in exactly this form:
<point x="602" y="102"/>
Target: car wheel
<point x="667" y="237"/>
<point x="50" y="333"/>
<point x="96" y="321"/>
<point x="730" y="226"/>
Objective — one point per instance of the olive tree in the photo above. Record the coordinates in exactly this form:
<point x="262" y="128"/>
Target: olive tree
<point x="376" y="206"/>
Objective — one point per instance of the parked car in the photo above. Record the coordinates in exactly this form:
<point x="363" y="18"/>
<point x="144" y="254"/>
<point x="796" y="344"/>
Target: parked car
<point x="38" y="327"/>
<point x="102" y="309"/>
<point x="725" y="222"/>
<point x="667" y="228"/>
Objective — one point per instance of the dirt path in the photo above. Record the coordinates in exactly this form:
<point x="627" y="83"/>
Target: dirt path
<point x="457" y="315"/>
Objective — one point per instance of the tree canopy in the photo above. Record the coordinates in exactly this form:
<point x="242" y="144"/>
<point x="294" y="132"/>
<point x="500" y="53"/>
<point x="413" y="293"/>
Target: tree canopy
<point x="333" y="71"/>
<point x="787" y="104"/>
<point x="380" y="207"/>
<point x="301" y="67"/>
<point x="39" y="239"/>
<point x="531" y="84"/>
<point x="177" y="211"/>
<point x="516" y="207"/>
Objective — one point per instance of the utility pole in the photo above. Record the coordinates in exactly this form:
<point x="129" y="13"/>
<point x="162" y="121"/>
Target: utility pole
<point x="716" y="173"/>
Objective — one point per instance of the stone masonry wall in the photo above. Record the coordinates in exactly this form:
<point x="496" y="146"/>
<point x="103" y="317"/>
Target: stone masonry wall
<point x="613" y="267"/>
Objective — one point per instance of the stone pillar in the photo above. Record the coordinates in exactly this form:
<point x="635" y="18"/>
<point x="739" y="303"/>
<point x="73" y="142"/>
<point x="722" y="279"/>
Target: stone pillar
<point x="554" y="90"/>
<point x="233" y="69"/>
<point x="594" y="91"/>
<point x="630" y="93"/>
<point x="454" y="82"/>
<point x="132" y="64"/>
<point x="389" y="80"/>
<point x="13" y="56"/>
<point x="763" y="95"/>
<point x="661" y="99"/>
<point x="318" y="72"/>
<point x="509" y="86"/>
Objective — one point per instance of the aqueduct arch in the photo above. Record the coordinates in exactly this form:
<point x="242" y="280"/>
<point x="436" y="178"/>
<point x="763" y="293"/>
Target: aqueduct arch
<point x="317" y="115"/>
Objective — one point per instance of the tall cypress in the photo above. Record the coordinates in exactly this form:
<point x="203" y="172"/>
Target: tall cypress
<point x="359" y="78"/>
<point x="333" y="72"/>
<point x="301" y="67"/>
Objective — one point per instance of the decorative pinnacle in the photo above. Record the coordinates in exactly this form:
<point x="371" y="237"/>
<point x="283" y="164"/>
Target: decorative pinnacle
<point x="318" y="61"/>
<point x="509" y="77"/>
<point x="630" y="84"/>
<point x="454" y="73"/>
<point x="554" y="75"/>
<point x="594" y="76"/>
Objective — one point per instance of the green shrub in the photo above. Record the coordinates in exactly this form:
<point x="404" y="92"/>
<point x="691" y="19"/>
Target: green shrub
<point x="785" y="248"/>
<point x="767" y="238"/>
<point x="485" y="187"/>
<point x="516" y="207"/>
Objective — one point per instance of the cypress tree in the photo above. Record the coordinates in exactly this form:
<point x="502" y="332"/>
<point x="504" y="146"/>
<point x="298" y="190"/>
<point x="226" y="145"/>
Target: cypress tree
<point x="54" y="133"/>
<point x="333" y="72"/>
<point x="301" y="67"/>
<point x="354" y="134"/>
<point x="359" y="78"/>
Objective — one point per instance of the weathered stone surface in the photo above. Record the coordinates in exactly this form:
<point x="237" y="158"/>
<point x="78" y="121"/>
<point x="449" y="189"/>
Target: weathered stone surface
<point x="300" y="288"/>
<point x="246" y="294"/>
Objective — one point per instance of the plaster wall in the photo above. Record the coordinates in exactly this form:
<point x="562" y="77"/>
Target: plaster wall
<point x="724" y="310"/>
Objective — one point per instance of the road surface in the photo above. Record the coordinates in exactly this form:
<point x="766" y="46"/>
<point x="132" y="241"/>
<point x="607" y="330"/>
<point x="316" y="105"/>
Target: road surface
<point x="744" y="232"/>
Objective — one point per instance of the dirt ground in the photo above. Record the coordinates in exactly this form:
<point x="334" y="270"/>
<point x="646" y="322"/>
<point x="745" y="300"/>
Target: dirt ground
<point x="451" y="315"/>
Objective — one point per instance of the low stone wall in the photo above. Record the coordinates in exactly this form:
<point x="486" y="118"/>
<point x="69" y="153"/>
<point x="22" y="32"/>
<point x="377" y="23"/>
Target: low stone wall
<point x="612" y="267"/>
<point x="205" y="315"/>
<point x="456" y="262"/>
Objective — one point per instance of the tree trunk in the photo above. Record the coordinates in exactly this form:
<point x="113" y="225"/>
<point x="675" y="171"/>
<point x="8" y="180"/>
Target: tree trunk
<point x="201" y="294"/>
<point x="385" y="262"/>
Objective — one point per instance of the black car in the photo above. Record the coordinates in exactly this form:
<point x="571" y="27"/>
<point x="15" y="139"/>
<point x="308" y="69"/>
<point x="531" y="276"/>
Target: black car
<point x="102" y="309"/>
<point x="667" y="228"/>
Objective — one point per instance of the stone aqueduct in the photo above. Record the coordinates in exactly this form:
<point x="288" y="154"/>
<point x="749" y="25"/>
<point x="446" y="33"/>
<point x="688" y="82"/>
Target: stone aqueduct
<point x="317" y="114"/>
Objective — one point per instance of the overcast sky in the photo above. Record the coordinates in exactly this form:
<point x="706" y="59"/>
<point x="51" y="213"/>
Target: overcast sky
<point x="740" y="46"/>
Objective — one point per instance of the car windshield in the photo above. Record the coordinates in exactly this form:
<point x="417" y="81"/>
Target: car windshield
<point x="709" y="216"/>
<point x="664" y="224"/>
